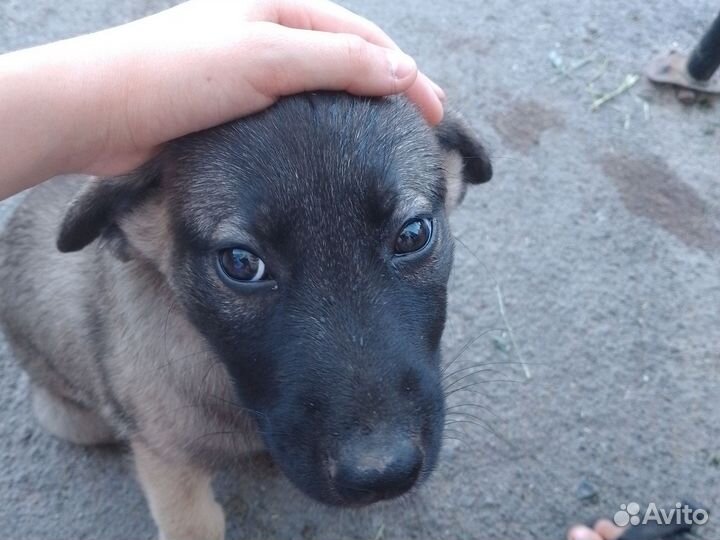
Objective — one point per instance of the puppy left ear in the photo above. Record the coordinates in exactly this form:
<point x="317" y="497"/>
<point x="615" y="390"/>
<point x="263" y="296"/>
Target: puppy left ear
<point x="465" y="160"/>
<point x="104" y="208"/>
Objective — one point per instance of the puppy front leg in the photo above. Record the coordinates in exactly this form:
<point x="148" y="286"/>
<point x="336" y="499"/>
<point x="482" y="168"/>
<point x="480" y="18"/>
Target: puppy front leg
<point x="180" y="497"/>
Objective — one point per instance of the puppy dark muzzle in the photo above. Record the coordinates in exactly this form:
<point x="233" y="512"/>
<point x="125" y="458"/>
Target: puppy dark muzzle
<point x="374" y="467"/>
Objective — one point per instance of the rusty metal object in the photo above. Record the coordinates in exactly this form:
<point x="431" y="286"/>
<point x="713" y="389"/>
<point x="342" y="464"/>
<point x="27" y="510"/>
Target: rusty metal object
<point x="671" y="68"/>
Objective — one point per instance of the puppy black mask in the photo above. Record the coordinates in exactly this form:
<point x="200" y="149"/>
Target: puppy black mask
<point x="310" y="246"/>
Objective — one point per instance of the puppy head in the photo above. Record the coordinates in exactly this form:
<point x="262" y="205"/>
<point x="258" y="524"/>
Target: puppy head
<point x="310" y="246"/>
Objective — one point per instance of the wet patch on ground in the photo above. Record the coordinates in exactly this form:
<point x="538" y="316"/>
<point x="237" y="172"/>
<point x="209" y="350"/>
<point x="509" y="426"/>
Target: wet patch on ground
<point x="523" y="123"/>
<point x="651" y="189"/>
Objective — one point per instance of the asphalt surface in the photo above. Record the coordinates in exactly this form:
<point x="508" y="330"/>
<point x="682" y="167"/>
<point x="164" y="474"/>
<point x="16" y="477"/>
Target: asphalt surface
<point x="600" y="237"/>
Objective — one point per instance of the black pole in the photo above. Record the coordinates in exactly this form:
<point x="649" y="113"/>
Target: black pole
<point x="705" y="59"/>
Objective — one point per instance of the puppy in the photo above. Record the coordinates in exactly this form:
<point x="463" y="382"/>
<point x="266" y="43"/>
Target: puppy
<point x="275" y="283"/>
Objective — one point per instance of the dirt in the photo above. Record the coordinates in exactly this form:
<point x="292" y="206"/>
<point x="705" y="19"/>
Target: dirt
<point x="599" y="233"/>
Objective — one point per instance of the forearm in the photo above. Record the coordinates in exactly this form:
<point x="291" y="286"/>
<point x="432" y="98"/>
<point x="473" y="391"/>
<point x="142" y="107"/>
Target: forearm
<point x="52" y="100"/>
<point x="102" y="103"/>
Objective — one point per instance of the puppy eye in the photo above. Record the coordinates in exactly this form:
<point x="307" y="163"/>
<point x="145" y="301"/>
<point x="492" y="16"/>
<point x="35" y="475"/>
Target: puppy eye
<point x="242" y="265"/>
<point x="413" y="236"/>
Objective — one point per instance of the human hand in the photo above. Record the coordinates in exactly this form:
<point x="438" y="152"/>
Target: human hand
<point x="603" y="530"/>
<point x="104" y="103"/>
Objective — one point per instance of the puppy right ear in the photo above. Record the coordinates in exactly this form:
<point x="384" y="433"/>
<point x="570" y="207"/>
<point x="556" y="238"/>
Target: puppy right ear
<point x="98" y="207"/>
<point x="466" y="161"/>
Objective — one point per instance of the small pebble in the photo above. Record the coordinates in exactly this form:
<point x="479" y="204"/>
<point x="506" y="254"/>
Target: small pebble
<point x="500" y="345"/>
<point x="25" y="434"/>
<point x="585" y="491"/>
<point x="685" y="96"/>
<point x="592" y="29"/>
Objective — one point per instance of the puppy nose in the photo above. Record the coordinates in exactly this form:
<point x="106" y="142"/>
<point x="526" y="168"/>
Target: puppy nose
<point x="369" y="469"/>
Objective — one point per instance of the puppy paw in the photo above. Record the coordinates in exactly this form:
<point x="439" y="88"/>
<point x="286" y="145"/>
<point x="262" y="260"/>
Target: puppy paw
<point x="204" y="522"/>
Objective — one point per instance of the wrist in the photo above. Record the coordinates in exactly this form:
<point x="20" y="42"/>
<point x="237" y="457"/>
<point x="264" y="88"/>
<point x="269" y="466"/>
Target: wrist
<point x="85" y="97"/>
<point x="51" y="112"/>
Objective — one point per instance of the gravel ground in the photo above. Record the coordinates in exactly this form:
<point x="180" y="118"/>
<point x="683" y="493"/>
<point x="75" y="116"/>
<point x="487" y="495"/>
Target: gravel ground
<point x="600" y="235"/>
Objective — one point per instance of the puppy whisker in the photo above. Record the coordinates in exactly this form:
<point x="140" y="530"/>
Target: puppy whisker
<point x="485" y="364"/>
<point x="501" y="308"/>
<point x="482" y="426"/>
<point x="476" y="405"/>
<point x="467" y="415"/>
<point x="452" y="383"/>
<point x="477" y="383"/>
<point x="470" y="344"/>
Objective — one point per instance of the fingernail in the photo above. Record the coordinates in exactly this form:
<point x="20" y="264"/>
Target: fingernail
<point x="439" y="92"/>
<point x="401" y="65"/>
